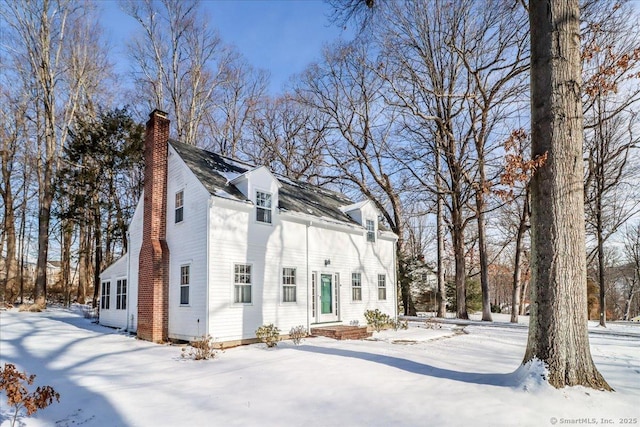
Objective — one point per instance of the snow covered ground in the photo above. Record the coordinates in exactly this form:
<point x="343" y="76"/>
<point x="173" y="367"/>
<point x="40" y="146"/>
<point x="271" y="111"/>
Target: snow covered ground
<point x="450" y="375"/>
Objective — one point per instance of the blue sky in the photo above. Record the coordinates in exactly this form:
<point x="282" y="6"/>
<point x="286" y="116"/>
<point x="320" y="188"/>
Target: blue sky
<point x="280" y="36"/>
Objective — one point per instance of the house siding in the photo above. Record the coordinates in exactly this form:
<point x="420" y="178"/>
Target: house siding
<point x="188" y="245"/>
<point x="285" y="244"/>
<point x="113" y="317"/>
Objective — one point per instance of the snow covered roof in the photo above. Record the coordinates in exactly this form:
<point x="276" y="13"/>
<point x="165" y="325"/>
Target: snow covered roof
<point x="217" y="172"/>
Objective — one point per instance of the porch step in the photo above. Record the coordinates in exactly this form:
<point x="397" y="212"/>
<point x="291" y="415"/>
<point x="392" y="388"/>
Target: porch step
<point x="342" y="332"/>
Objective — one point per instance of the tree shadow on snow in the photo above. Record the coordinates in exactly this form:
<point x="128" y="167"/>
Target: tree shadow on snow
<point x="512" y="380"/>
<point x="54" y="367"/>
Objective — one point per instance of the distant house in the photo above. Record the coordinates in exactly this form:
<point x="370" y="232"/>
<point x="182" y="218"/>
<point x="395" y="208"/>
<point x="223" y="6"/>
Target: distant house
<point x="221" y="247"/>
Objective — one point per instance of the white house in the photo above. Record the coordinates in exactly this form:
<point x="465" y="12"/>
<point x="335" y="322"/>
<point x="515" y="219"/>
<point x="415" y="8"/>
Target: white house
<point x="221" y="247"/>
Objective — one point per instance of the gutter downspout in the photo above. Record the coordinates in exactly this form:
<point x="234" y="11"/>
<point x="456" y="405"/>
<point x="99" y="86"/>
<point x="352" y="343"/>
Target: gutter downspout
<point x="309" y="278"/>
<point x="395" y="279"/>
<point x="128" y="281"/>
<point x="208" y="267"/>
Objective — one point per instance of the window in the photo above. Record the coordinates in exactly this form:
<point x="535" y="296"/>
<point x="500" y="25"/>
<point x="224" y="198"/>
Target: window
<point x="371" y="231"/>
<point x="288" y="285"/>
<point x="356" y="286"/>
<point x="242" y="284"/>
<point x="179" y="206"/>
<point x="121" y="294"/>
<point x="263" y="207"/>
<point x="184" y="284"/>
<point x="105" y="295"/>
<point x="382" y="287"/>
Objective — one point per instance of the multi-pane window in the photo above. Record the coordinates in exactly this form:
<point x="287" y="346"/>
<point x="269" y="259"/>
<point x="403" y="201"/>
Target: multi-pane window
<point x="105" y="295"/>
<point x="371" y="231"/>
<point x="356" y="286"/>
<point x="185" y="279"/>
<point x="242" y="283"/>
<point x="121" y="294"/>
<point x="288" y="285"/>
<point x="179" y="206"/>
<point x="382" y="287"/>
<point x="263" y="207"/>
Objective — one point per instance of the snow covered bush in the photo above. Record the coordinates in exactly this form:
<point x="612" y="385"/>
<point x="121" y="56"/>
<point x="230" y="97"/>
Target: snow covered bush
<point x="377" y="319"/>
<point x="15" y="383"/>
<point x="297" y="333"/>
<point x="268" y="334"/>
<point x="200" y="349"/>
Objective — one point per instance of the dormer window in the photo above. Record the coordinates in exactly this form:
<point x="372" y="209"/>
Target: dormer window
<point x="263" y="207"/>
<point x="371" y="231"/>
<point x="179" y="206"/>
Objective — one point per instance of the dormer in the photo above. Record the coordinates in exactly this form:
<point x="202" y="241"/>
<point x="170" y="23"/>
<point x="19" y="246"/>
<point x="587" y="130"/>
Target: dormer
<point x="261" y="187"/>
<point x="365" y="214"/>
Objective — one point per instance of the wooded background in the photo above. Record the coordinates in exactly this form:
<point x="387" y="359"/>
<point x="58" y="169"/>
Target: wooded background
<point x="426" y="113"/>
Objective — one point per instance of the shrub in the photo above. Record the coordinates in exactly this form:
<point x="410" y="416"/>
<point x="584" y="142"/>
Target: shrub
<point x="377" y="319"/>
<point x="268" y="334"/>
<point x="200" y="349"/>
<point x="399" y="324"/>
<point x="15" y="384"/>
<point x="297" y="333"/>
<point x="432" y="324"/>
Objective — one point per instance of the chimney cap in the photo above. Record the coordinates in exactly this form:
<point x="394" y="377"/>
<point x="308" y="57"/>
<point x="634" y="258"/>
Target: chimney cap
<point x="159" y="113"/>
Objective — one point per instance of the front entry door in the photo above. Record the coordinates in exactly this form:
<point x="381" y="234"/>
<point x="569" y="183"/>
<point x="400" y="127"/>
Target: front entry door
<point x="327" y="299"/>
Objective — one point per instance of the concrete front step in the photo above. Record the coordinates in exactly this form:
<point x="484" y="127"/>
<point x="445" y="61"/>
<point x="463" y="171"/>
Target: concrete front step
<point x="342" y="332"/>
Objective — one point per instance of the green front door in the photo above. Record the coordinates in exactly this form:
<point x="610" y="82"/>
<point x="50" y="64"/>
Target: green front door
<point x="325" y="294"/>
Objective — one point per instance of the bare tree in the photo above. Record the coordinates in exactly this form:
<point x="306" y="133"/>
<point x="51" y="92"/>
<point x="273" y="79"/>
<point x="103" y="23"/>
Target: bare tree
<point x="238" y="102"/>
<point x="558" y="333"/>
<point x="12" y="132"/>
<point x="360" y="138"/>
<point x="55" y="56"/>
<point x="180" y="62"/>
<point x="289" y="136"/>
<point x="611" y="58"/>
<point x="631" y="280"/>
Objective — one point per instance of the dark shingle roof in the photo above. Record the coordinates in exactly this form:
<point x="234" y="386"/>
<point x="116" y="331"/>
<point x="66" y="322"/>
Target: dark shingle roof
<point x="216" y="171"/>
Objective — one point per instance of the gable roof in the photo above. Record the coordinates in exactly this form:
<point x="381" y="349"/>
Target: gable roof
<point x="216" y="172"/>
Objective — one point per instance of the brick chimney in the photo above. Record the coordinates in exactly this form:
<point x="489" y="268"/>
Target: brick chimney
<point x="153" y="271"/>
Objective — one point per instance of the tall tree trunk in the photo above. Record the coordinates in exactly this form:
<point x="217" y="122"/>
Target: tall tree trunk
<point x="97" y="268"/>
<point x="44" y="219"/>
<point x="558" y="325"/>
<point x="82" y="264"/>
<point x="67" y="233"/>
<point x="601" y="272"/>
<point x="517" y="264"/>
<point x="441" y="295"/>
<point x="482" y="244"/>
<point x="458" y="249"/>
<point x="9" y="228"/>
